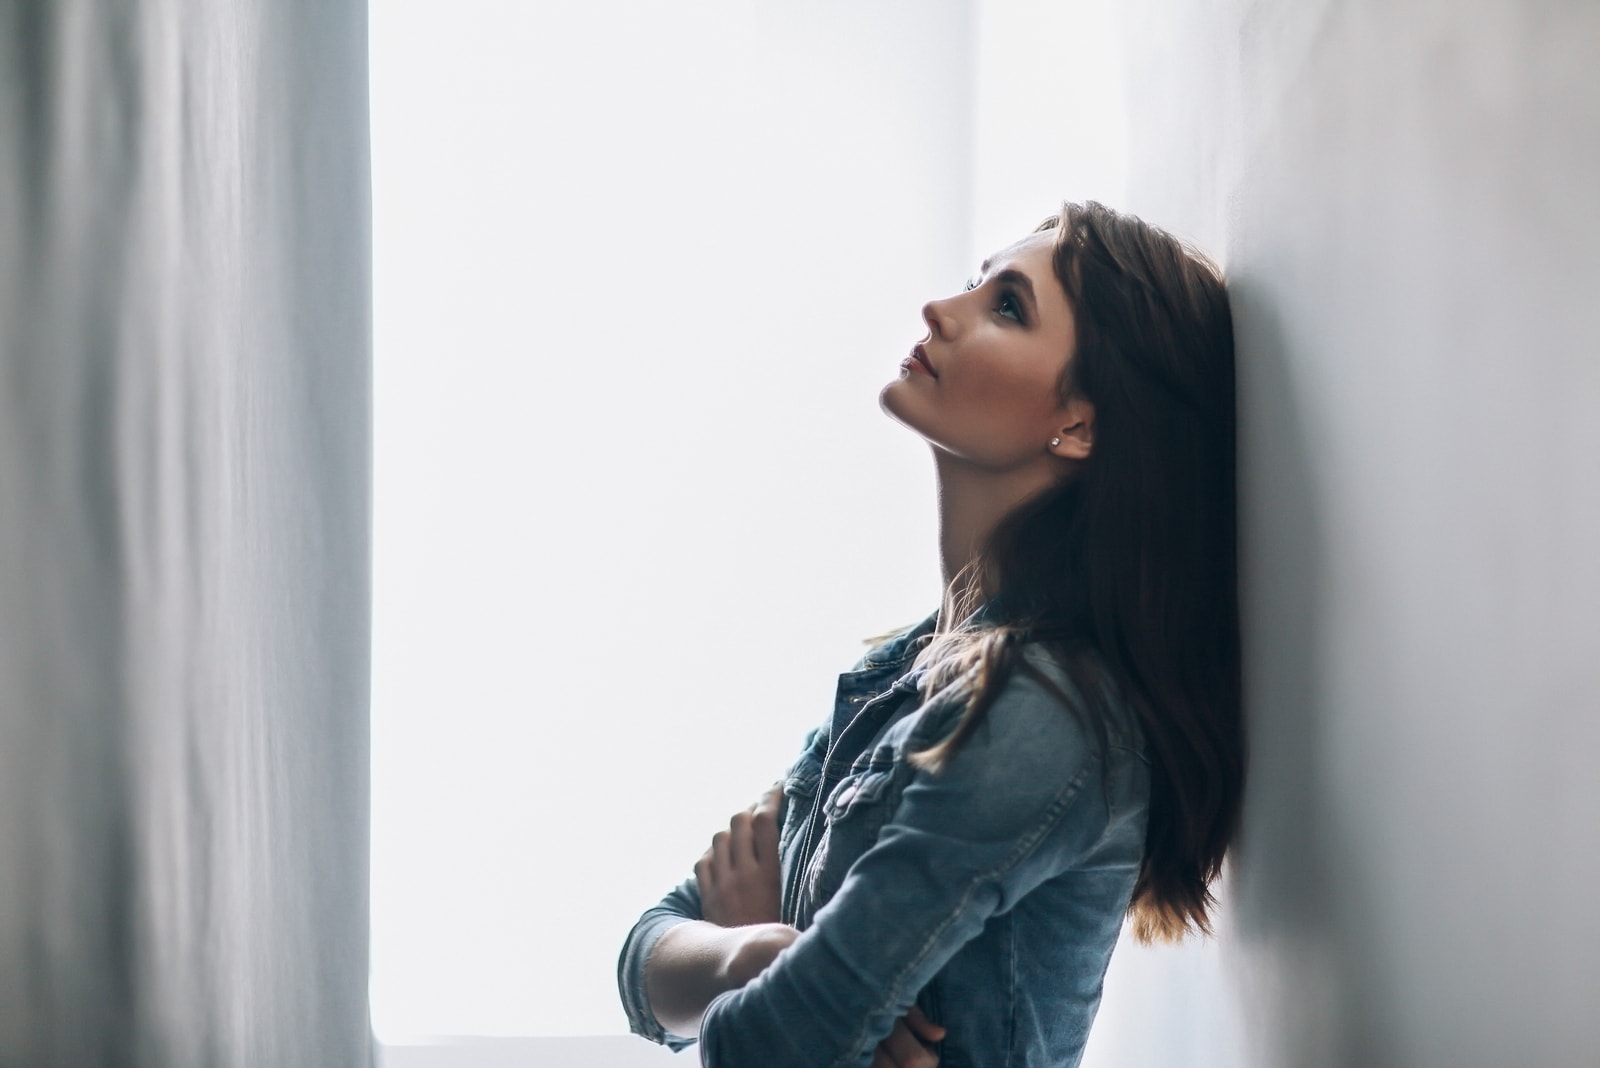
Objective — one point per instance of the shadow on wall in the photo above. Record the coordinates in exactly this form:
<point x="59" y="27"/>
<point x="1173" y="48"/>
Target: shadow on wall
<point x="1404" y="198"/>
<point x="1298" y="896"/>
<point x="1289" y="893"/>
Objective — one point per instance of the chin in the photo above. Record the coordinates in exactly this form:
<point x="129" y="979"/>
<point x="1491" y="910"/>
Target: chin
<point x="890" y="401"/>
<point x="893" y="401"/>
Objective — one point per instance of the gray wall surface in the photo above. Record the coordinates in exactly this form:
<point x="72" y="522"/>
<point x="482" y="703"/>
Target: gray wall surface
<point x="184" y="428"/>
<point x="1405" y="199"/>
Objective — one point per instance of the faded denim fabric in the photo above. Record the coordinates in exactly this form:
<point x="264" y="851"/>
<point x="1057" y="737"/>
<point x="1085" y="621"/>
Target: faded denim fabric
<point x="990" y="894"/>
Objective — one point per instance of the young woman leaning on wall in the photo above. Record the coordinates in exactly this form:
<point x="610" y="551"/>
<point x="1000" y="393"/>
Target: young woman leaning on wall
<point x="941" y="876"/>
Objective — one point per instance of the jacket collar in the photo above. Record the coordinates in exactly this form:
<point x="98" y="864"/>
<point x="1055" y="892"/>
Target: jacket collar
<point x="900" y="648"/>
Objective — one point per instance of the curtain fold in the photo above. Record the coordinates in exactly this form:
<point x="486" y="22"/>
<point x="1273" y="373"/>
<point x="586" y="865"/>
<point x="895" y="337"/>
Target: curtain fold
<point x="184" y="533"/>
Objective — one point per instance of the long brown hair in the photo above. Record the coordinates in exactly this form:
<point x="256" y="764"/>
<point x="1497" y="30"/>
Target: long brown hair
<point x="1128" y="569"/>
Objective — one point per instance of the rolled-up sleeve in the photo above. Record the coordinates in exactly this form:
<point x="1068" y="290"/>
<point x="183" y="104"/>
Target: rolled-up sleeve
<point x="679" y="906"/>
<point x="1013" y="808"/>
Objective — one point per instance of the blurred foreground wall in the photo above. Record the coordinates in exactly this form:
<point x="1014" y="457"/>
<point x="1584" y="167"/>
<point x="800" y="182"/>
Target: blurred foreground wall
<point x="184" y="427"/>
<point x="1405" y="196"/>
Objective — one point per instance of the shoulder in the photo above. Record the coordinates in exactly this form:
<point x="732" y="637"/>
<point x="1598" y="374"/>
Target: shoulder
<point x="1086" y="690"/>
<point x="1043" y="710"/>
<point x="1034" y="752"/>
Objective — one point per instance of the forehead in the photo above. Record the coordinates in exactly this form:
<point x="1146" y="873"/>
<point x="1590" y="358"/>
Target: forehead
<point x="1037" y="249"/>
<point x="1034" y="256"/>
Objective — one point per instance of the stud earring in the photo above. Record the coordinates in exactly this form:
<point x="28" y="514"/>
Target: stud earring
<point x="1054" y="442"/>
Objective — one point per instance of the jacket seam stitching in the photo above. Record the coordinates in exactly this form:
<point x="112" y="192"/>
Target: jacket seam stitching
<point x="1011" y="993"/>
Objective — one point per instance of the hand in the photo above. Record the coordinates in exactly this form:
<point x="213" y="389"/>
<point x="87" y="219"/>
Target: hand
<point x="906" y="1046"/>
<point x="738" y="876"/>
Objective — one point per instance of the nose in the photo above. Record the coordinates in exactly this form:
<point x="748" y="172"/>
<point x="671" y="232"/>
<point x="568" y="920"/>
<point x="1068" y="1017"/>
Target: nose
<point x="936" y="314"/>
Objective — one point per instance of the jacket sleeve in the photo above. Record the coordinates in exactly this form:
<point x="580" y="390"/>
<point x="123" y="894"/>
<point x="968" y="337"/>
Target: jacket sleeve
<point x="1014" y="807"/>
<point x="680" y="905"/>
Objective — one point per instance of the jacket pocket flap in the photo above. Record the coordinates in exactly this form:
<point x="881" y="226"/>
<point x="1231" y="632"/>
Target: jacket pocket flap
<point x="855" y="791"/>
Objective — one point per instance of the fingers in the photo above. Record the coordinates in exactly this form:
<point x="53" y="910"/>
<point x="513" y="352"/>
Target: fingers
<point x="705" y="873"/>
<point x="923" y="1027"/>
<point x="903" y="1049"/>
<point x="753" y="834"/>
<point x="736" y="847"/>
<point x="764" y="826"/>
<point x="742" y="840"/>
<point x="722" y="851"/>
<point x="713" y="870"/>
<point x="885" y="1056"/>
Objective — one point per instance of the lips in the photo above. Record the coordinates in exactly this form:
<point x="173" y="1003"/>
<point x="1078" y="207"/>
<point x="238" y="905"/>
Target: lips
<point x="920" y="354"/>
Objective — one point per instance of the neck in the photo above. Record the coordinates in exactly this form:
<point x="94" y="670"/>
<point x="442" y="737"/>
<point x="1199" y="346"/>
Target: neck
<point x="972" y="502"/>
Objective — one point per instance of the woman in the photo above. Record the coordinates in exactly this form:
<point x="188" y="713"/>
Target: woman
<point x="944" y="873"/>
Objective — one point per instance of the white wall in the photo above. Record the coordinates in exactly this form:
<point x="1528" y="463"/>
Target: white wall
<point x="1050" y="111"/>
<point x="1404" y="198"/>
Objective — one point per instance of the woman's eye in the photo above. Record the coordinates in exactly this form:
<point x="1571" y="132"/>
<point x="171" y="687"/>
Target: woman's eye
<point x="972" y="283"/>
<point x="1009" y="307"/>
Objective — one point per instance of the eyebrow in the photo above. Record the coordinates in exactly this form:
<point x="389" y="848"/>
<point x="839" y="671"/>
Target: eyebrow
<point x="1016" y="278"/>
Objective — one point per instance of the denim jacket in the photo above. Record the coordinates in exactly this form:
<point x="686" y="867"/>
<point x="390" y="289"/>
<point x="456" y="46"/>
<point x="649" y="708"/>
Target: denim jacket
<point x="990" y="894"/>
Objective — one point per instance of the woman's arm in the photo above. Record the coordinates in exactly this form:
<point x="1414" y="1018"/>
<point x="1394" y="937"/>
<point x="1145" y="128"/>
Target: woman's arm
<point x="680" y="906"/>
<point x="694" y="962"/>
<point x="1015" y="806"/>
<point x="737" y="878"/>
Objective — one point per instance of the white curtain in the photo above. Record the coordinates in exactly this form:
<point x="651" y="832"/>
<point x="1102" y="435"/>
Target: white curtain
<point x="184" y="483"/>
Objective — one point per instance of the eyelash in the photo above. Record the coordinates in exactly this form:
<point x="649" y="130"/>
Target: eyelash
<point x="1007" y="299"/>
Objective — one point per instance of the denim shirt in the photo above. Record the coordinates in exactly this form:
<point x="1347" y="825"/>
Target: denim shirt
<point x="990" y="894"/>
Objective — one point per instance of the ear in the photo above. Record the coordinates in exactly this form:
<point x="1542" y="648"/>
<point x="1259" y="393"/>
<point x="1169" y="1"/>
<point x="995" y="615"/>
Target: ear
<point x="1075" y="431"/>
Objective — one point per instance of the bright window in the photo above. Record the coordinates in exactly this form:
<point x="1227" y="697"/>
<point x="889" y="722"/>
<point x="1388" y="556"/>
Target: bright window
<point x="640" y="272"/>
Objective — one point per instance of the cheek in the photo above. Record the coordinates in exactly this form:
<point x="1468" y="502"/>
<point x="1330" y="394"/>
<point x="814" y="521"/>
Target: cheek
<point x="1015" y="393"/>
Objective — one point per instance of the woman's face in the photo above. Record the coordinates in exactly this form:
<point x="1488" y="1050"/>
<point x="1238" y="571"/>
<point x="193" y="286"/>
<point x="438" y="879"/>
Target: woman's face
<point x="994" y="355"/>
